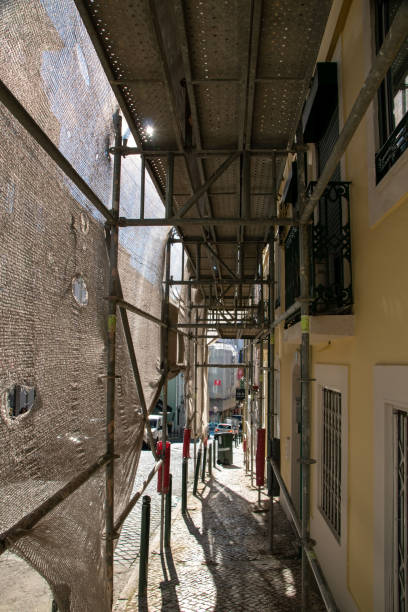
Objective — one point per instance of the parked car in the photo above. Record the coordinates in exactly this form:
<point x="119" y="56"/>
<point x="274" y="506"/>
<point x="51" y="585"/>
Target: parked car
<point x="156" y="425"/>
<point x="224" y="428"/>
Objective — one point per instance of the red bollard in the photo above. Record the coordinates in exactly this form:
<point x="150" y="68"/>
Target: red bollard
<point x="260" y="458"/>
<point x="166" y="482"/>
<point x="186" y="443"/>
<point x="245" y="445"/>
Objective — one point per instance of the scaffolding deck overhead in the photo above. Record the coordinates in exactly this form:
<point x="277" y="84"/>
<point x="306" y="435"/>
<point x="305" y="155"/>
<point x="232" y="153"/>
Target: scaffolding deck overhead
<point x="212" y="93"/>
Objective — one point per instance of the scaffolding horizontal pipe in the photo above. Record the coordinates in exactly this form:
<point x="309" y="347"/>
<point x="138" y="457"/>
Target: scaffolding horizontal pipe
<point x="191" y="241"/>
<point x="216" y="326"/>
<point x="324" y="589"/>
<point x="231" y="221"/>
<point x="227" y="307"/>
<point x="23" y="117"/>
<point x="19" y="529"/>
<point x="198" y="152"/>
<point x="133" y="501"/>
<point x="221" y="281"/>
<point x="222" y="365"/>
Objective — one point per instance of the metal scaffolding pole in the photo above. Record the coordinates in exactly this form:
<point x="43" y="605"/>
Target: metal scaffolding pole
<point x="165" y="368"/>
<point x="195" y="393"/>
<point x="251" y="407"/>
<point x="111" y="370"/>
<point x="271" y="388"/>
<point x="271" y="360"/>
<point x="305" y="461"/>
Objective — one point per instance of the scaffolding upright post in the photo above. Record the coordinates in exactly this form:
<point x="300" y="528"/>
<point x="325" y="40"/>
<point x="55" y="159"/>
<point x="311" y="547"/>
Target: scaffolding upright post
<point x="305" y="460"/>
<point x="271" y="360"/>
<point x="271" y="388"/>
<point x="111" y="369"/>
<point x="195" y="392"/>
<point x="165" y="366"/>
<point x="251" y="408"/>
<point x="246" y="410"/>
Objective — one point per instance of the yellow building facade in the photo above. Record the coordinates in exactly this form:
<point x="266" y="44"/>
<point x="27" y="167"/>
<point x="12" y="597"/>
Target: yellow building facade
<point x="359" y="355"/>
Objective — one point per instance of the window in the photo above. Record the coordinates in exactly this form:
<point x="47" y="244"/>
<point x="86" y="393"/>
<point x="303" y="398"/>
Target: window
<point x="400" y="506"/>
<point x="392" y="95"/>
<point x="330" y="484"/>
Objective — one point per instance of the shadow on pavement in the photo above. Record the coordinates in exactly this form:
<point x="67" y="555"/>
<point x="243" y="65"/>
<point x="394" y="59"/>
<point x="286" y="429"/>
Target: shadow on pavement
<point x="167" y="586"/>
<point x="233" y="539"/>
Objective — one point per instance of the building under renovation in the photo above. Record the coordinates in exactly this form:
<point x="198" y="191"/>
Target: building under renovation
<point x="177" y="172"/>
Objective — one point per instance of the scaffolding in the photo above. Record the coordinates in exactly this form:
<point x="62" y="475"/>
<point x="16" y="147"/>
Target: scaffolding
<point x="219" y="302"/>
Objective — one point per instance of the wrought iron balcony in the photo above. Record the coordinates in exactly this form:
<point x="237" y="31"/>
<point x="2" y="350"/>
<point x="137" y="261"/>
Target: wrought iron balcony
<point x="393" y="148"/>
<point x="330" y="257"/>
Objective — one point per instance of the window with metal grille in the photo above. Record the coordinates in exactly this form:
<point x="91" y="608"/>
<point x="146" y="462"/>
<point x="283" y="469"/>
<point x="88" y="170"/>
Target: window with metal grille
<point x="400" y="505"/>
<point x="330" y="483"/>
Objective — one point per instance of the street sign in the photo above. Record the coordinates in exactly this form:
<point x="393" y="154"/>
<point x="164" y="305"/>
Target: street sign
<point x="217" y="382"/>
<point x="239" y="394"/>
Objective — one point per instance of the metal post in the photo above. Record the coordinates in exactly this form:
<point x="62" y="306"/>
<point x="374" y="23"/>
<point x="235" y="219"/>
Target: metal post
<point x="111" y="369"/>
<point x="271" y="390"/>
<point x="214" y="451"/>
<point x="165" y="367"/>
<point x="184" y="476"/>
<point x="169" y="185"/>
<point x="142" y="186"/>
<point x="260" y="401"/>
<point x="246" y="410"/>
<point x="144" y="545"/>
<point x="210" y="452"/>
<point x="167" y="533"/>
<point x="195" y="394"/>
<point x="204" y="463"/>
<point x="304" y="265"/>
<point x="251" y="410"/>
<point x="197" y="471"/>
<point x="271" y="361"/>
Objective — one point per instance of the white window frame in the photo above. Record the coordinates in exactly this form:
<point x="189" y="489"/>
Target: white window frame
<point x="390" y="392"/>
<point x="331" y="552"/>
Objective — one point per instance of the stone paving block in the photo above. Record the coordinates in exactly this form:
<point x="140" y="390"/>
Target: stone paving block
<point x="218" y="559"/>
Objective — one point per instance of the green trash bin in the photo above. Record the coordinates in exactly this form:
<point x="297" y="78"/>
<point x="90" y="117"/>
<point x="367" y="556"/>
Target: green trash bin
<point x="224" y="453"/>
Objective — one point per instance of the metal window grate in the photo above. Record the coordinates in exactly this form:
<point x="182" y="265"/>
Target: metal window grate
<point x="330" y="493"/>
<point x="400" y="510"/>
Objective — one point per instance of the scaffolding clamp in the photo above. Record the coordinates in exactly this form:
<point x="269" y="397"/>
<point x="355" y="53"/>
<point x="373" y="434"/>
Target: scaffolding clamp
<point x="305" y="461"/>
<point x="109" y="377"/>
<point x="308" y="542"/>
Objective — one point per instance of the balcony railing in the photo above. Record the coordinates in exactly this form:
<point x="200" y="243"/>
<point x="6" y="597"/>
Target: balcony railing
<point x="330" y="257"/>
<point x="393" y="148"/>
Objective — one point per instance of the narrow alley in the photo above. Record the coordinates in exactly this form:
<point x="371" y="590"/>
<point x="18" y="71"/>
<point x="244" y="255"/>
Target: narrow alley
<point x="203" y="219"/>
<point x="219" y="558"/>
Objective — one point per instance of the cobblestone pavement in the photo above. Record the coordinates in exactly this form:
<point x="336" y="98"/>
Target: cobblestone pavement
<point x="218" y="559"/>
<point x="24" y="590"/>
<point x="127" y="549"/>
